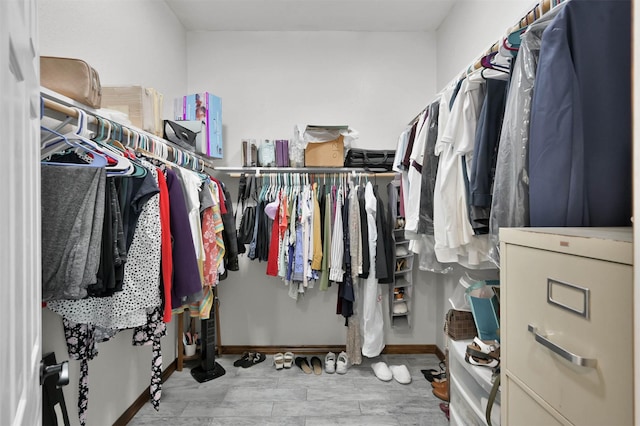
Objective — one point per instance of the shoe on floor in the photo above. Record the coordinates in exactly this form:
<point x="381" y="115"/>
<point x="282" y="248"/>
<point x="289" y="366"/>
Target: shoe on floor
<point x="441" y="392"/>
<point x="382" y="371"/>
<point x="330" y="363"/>
<point x="444" y="406"/>
<point x="441" y="384"/>
<point x="433" y="375"/>
<point x="401" y="374"/>
<point x="257" y="358"/>
<point x="316" y="365"/>
<point x="343" y="363"/>
<point x="303" y="364"/>
<point x="278" y="361"/>
<point x="245" y="356"/>
<point x="288" y="359"/>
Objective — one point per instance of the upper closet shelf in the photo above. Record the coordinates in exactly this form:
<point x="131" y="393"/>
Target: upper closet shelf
<point x="65" y="106"/>
<point x="238" y="171"/>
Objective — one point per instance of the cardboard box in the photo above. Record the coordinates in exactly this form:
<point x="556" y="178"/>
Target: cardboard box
<point x="142" y="105"/>
<point x="207" y="107"/>
<point x="325" y="154"/>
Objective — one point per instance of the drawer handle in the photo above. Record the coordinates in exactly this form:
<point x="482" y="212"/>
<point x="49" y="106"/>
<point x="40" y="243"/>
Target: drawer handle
<point x="569" y="356"/>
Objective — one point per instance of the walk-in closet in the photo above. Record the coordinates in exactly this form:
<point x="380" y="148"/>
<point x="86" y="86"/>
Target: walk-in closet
<point x="392" y="212"/>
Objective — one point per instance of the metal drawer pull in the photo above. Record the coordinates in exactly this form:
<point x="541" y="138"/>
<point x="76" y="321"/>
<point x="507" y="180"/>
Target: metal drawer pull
<point x="569" y="356"/>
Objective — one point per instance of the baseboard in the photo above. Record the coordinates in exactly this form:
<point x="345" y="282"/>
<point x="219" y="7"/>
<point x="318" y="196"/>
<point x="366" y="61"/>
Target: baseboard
<point x="126" y="417"/>
<point x="319" y="349"/>
<point x="440" y="354"/>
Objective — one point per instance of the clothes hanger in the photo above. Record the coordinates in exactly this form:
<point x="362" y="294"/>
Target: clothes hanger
<point x="117" y="165"/>
<point x="77" y="140"/>
<point x="92" y="158"/>
<point x="485" y="62"/>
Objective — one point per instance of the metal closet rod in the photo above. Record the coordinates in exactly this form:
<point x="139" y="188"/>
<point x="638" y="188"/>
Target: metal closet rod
<point x="318" y="171"/>
<point x="72" y="112"/>
<point x="532" y="15"/>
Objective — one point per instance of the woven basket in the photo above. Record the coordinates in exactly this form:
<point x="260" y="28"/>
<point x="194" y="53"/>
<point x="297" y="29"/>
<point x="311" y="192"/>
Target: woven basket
<point x="459" y="325"/>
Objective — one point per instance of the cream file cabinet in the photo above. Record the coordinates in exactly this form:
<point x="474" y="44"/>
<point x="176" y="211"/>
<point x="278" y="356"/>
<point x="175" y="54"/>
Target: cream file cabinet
<point x="566" y="326"/>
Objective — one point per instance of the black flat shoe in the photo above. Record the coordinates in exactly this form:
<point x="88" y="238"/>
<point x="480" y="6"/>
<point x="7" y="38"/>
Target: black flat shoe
<point x="243" y="359"/>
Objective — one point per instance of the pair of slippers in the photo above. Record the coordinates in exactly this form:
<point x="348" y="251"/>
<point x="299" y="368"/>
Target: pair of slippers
<point x="315" y="367"/>
<point x="249" y="359"/>
<point x="385" y="373"/>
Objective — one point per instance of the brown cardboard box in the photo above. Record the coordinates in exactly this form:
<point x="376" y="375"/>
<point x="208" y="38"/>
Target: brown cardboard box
<point x="325" y="154"/>
<point x="142" y="105"/>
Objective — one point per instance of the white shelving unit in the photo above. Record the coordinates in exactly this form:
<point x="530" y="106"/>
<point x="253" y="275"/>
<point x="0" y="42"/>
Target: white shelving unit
<point x="469" y="390"/>
<point x="401" y="291"/>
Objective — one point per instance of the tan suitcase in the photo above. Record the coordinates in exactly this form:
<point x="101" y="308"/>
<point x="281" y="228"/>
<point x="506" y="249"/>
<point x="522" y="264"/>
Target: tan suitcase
<point x="73" y="78"/>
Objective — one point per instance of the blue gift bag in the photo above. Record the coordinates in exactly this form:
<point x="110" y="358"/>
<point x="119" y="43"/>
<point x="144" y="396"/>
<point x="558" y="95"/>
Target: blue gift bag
<point x="485" y="308"/>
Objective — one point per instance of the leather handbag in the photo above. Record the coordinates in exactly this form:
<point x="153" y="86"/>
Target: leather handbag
<point x="73" y="78"/>
<point x="373" y="160"/>
<point x="459" y="325"/>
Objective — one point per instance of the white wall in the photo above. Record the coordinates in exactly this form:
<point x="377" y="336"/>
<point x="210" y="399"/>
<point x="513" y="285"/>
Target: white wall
<point x="269" y="81"/>
<point x="128" y="43"/>
<point x="470" y="29"/>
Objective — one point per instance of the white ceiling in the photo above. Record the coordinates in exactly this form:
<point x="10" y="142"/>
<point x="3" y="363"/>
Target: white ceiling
<point x="311" y="15"/>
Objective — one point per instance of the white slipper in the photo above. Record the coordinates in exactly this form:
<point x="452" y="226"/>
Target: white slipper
<point x="382" y="371"/>
<point x="401" y="374"/>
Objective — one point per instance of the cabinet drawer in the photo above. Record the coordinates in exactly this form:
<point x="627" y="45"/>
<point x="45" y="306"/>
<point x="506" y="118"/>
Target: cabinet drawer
<point x="585" y="395"/>
<point x="521" y="409"/>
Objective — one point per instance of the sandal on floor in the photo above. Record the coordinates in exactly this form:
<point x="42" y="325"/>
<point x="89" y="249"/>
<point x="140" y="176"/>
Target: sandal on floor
<point x="482" y="362"/>
<point x="303" y="364"/>
<point x="288" y="359"/>
<point x="256" y="359"/>
<point x="245" y="356"/>
<point x="316" y="364"/>
<point x="434" y="375"/>
<point x="278" y="361"/>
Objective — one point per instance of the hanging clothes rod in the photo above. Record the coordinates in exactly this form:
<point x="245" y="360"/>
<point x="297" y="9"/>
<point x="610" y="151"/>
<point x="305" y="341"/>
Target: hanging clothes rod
<point x="529" y="18"/>
<point x="532" y="16"/>
<point x="318" y="171"/>
<point x="128" y="131"/>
